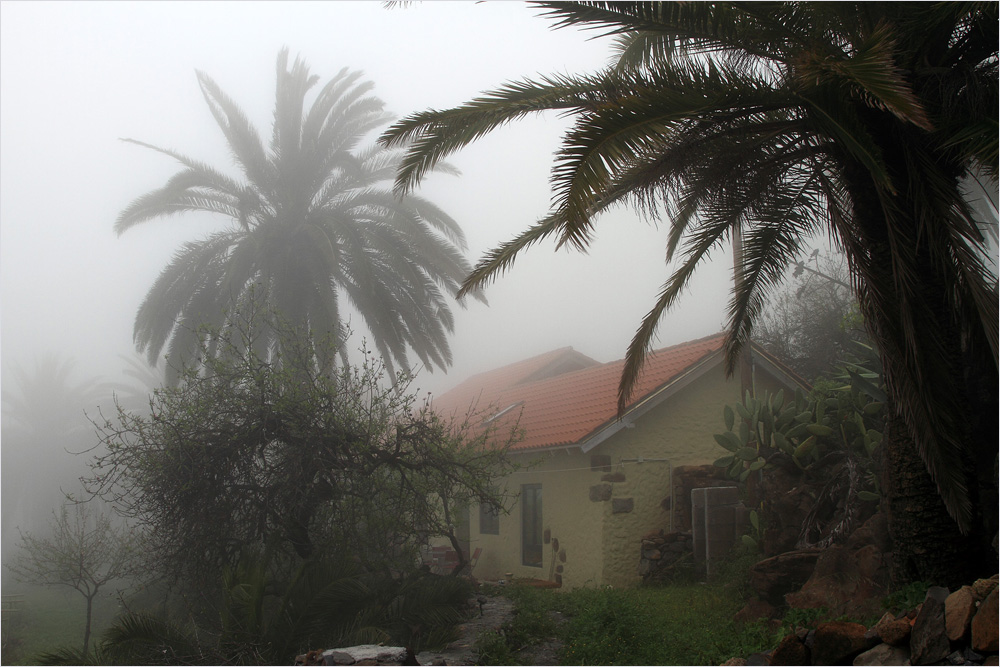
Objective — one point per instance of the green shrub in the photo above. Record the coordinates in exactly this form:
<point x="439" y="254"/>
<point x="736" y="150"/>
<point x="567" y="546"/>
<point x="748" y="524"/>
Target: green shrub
<point x="262" y="622"/>
<point x="906" y="598"/>
<point x="492" y="649"/>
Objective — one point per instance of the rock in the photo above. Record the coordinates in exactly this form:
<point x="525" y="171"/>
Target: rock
<point x="984" y="625"/>
<point x="758" y="660"/>
<point x="928" y="641"/>
<point x="600" y="493"/>
<point x="874" y="531"/>
<point x="838" y="642"/>
<point x="753" y="610"/>
<point x="971" y="655"/>
<point x="311" y="658"/>
<point x="959" y="608"/>
<point x="653" y="535"/>
<point x="845" y="581"/>
<point x="622" y="505"/>
<point x="883" y="654"/>
<point x="983" y="587"/>
<point x="652" y="554"/>
<point x="773" y="578"/>
<point x="365" y="654"/>
<point x="791" y="651"/>
<point x="849" y="579"/>
<point x="893" y="631"/>
<point x="600" y="462"/>
<point x="734" y="662"/>
<point x="955" y="658"/>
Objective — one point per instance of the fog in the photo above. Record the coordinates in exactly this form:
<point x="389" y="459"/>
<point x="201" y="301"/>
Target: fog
<point x="77" y="77"/>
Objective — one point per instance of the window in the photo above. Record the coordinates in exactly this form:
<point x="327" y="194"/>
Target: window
<point x="489" y="519"/>
<point x="531" y="525"/>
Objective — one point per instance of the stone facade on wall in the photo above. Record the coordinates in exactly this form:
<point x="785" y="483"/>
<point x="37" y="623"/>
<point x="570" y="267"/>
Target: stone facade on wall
<point x="687" y="478"/>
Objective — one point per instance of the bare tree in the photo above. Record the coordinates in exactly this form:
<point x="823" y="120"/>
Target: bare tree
<point x="84" y="551"/>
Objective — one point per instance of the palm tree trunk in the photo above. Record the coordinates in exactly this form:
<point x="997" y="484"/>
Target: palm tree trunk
<point x="927" y="544"/>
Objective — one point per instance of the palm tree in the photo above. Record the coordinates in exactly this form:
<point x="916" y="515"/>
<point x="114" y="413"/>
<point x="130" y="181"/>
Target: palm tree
<point x="772" y="122"/>
<point x="44" y="422"/>
<point x="313" y="222"/>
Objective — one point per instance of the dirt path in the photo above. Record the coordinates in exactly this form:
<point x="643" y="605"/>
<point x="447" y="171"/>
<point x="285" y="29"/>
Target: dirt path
<point x="496" y="611"/>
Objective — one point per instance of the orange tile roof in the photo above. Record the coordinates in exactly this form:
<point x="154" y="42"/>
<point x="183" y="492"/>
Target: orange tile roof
<point x="481" y="391"/>
<point x="567" y="408"/>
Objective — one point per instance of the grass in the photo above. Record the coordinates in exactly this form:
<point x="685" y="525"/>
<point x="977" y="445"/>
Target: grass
<point x="532" y="623"/>
<point x="685" y="624"/>
<point x="51" y="618"/>
<point x="681" y="624"/>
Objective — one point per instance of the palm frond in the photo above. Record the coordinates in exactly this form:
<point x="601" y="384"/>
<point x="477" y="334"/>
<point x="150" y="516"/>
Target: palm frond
<point x="242" y="137"/>
<point x="500" y="259"/>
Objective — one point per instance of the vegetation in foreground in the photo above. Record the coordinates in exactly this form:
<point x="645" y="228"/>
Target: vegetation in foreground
<point x="48" y="617"/>
<point x="681" y="624"/>
<point x="688" y="623"/>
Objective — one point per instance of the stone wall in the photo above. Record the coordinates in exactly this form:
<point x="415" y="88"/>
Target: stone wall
<point x="687" y="478"/>
<point x="664" y="555"/>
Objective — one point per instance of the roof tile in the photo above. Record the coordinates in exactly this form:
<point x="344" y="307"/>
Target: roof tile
<point x="566" y="408"/>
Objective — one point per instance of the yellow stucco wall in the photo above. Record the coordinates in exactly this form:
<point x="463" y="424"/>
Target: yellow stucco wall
<point x="567" y="514"/>
<point x="601" y="546"/>
<point x="679" y="429"/>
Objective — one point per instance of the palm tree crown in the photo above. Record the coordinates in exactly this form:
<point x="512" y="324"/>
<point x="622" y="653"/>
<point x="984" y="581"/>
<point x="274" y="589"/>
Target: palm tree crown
<point x="777" y="121"/>
<point x="313" y="217"/>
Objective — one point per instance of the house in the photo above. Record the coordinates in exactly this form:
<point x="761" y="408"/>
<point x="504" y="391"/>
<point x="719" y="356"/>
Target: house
<point x="592" y="485"/>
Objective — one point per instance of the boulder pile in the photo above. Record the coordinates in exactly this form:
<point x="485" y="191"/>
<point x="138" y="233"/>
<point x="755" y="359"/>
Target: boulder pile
<point x="846" y="578"/>
<point x="949" y="628"/>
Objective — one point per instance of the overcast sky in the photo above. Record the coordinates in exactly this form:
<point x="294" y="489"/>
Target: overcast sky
<point x="78" y="76"/>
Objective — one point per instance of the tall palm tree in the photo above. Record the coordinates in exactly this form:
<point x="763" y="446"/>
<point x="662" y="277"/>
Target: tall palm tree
<point x="313" y="223"/>
<point x="775" y="121"/>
